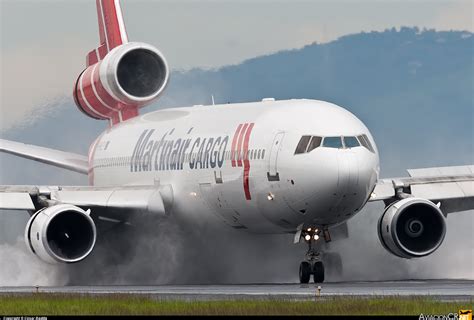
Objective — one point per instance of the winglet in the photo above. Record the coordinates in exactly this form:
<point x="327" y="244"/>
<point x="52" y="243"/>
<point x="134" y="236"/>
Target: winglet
<point x="112" y="31"/>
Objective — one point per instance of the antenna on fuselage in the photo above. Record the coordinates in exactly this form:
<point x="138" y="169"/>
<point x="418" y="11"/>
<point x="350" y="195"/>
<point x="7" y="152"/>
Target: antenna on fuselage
<point x="212" y="98"/>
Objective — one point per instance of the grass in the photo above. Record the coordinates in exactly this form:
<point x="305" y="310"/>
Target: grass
<point x="125" y="304"/>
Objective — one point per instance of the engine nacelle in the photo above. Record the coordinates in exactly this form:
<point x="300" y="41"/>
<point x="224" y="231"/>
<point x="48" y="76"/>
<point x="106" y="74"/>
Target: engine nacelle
<point x="129" y="77"/>
<point x="61" y="233"/>
<point x="412" y="228"/>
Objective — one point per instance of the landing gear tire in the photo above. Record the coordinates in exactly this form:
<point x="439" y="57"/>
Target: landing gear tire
<point x="305" y="272"/>
<point x="318" y="272"/>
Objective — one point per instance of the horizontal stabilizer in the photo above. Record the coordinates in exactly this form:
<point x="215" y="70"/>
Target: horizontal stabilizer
<point x="65" y="160"/>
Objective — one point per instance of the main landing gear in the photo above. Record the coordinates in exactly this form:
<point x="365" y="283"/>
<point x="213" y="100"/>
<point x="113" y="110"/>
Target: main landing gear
<point x="313" y="264"/>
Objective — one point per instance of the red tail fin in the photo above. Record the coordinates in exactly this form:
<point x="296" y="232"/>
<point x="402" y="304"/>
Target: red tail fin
<point x="112" y="31"/>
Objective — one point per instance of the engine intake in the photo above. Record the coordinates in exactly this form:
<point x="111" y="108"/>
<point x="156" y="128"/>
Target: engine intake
<point x="141" y="73"/>
<point x="412" y="228"/>
<point x="61" y="233"/>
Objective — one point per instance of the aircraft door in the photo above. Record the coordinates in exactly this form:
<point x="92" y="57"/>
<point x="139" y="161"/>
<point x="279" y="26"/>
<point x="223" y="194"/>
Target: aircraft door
<point x="272" y="173"/>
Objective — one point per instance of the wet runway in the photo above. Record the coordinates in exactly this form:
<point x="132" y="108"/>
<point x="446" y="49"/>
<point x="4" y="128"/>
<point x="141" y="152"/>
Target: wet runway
<point x="441" y="289"/>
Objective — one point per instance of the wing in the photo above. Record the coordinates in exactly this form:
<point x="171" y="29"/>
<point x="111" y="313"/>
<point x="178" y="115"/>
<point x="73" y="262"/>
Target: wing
<point x="118" y="203"/>
<point x="65" y="160"/>
<point x="453" y="187"/>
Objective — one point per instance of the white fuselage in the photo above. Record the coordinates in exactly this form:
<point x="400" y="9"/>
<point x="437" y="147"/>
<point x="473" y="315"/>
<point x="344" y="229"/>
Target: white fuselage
<point x="237" y="162"/>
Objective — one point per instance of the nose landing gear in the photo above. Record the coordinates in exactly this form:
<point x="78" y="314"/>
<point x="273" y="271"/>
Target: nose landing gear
<point x="313" y="264"/>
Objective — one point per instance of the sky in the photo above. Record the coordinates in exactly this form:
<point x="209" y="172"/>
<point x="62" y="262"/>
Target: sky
<point x="44" y="43"/>
<point x="216" y="33"/>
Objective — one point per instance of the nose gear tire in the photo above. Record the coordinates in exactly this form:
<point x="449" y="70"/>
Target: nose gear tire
<point x="305" y="272"/>
<point x="318" y="272"/>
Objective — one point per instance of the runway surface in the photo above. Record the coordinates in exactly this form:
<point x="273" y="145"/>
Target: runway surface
<point x="441" y="289"/>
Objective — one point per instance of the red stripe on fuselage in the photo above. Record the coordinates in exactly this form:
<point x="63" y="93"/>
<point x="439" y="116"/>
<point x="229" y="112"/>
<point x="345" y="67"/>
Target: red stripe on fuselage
<point x="239" y="145"/>
<point x="234" y="142"/>
<point x="247" y="162"/>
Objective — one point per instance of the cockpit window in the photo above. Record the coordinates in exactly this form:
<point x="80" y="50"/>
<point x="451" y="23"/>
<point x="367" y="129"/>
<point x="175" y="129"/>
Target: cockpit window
<point x="315" y="142"/>
<point x="301" y="147"/>
<point x="332" y="142"/>
<point x="351" y="142"/>
<point x="309" y="143"/>
<point x="366" y="142"/>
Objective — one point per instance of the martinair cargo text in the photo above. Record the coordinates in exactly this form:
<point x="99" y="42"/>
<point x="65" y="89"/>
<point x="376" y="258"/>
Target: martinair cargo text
<point x="296" y="166"/>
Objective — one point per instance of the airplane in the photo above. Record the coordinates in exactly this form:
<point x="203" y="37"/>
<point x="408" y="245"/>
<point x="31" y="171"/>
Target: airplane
<point x="300" y="167"/>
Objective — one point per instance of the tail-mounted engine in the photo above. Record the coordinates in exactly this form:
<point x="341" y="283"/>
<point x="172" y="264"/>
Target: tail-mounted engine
<point x="129" y="77"/>
<point x="412" y="228"/>
<point x="61" y="233"/>
<point x="120" y="76"/>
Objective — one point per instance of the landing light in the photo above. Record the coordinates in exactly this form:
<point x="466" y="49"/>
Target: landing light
<point x="193" y="194"/>
<point x="270" y="197"/>
<point x="316" y="237"/>
<point x="307" y="237"/>
<point x="309" y="229"/>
